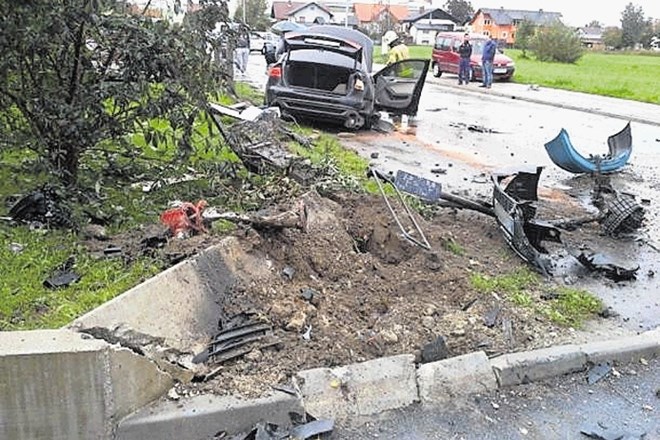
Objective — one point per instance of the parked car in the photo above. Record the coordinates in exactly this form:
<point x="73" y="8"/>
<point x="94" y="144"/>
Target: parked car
<point x="445" y="57"/>
<point x="260" y="39"/>
<point x="325" y="74"/>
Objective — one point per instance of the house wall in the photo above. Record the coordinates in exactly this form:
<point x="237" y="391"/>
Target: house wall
<point x="484" y="24"/>
<point x="422" y="36"/>
<point x="309" y="14"/>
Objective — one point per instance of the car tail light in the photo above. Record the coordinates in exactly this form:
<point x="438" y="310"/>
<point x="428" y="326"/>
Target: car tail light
<point x="359" y="84"/>
<point x="275" y="72"/>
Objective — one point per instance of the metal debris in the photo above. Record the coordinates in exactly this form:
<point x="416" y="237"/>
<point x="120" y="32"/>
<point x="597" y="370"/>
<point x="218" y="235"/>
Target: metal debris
<point x="42" y="207"/>
<point x="308" y="430"/>
<point x="422" y="241"/>
<point x="234" y="342"/>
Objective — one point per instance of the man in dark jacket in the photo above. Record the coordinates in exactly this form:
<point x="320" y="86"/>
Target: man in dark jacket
<point x="487" y="59"/>
<point x="465" y="52"/>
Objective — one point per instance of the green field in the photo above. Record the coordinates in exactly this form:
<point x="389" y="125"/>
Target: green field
<point x="621" y="75"/>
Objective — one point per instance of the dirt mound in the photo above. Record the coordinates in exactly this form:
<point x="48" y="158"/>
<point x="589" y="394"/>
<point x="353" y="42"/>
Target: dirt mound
<point x="360" y="291"/>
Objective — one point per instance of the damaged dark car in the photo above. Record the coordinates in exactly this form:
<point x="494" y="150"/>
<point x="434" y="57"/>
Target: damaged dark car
<point x="325" y="74"/>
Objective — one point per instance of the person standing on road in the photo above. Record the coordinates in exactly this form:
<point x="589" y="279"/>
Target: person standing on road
<point x="465" y="52"/>
<point x="487" y="59"/>
<point x="242" y="51"/>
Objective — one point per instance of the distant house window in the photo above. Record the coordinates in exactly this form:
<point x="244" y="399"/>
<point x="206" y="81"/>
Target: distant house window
<point x="313" y="8"/>
<point x="301" y="19"/>
<point x="487" y="33"/>
<point x="487" y="22"/>
<point x="513" y="35"/>
<point x="517" y="22"/>
<point x="503" y="34"/>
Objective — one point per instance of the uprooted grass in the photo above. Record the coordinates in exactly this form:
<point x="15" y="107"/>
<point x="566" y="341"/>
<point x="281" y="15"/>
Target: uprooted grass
<point x="562" y="305"/>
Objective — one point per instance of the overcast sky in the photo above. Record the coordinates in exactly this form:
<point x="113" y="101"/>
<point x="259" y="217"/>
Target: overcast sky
<point x="577" y="12"/>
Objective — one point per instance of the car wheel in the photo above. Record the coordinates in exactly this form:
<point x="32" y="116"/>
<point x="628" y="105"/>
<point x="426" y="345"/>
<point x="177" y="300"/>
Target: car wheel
<point x="436" y="70"/>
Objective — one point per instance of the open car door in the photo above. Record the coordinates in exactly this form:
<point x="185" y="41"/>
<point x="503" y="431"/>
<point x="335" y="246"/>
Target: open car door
<point x="398" y="86"/>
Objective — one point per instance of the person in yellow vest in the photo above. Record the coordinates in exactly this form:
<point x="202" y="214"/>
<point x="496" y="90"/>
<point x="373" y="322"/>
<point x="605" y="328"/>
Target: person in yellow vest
<point x="398" y="51"/>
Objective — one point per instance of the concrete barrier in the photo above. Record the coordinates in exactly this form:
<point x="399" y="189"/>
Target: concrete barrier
<point x="629" y="349"/>
<point x="204" y="417"/>
<point x="360" y="389"/>
<point x="458" y="376"/>
<point x="181" y="304"/>
<point x="55" y="385"/>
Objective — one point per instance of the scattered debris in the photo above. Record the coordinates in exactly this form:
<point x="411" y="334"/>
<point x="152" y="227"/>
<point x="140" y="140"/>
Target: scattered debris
<point x="94" y="231"/>
<point x="534" y="87"/>
<point x="42" y="207"/>
<point x="607" y="266"/>
<point x="599" y="433"/>
<point x="308" y="430"/>
<point x="490" y="319"/>
<point x="172" y="394"/>
<point x="515" y="211"/>
<point x="112" y="251"/>
<point x="566" y="157"/>
<point x="288" y="272"/>
<point x="374" y="155"/>
<point x="622" y="215"/>
<point x="435" y="350"/>
<point x="16" y="248"/>
<point x="437" y="109"/>
<point x="598" y="372"/>
<point x="439" y="171"/>
<point x="185" y="219"/>
<point x="63" y="275"/>
<point x="308" y="333"/>
<point x="311" y="296"/>
<point x="474" y="128"/>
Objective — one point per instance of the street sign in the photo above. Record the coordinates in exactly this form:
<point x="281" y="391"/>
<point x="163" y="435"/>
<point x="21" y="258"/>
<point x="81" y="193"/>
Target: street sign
<point x="418" y="186"/>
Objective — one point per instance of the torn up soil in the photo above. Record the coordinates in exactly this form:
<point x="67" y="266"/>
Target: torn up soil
<point x="375" y="293"/>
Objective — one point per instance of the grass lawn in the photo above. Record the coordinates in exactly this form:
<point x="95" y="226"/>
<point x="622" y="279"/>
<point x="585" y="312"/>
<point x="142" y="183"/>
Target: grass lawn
<point x="620" y="75"/>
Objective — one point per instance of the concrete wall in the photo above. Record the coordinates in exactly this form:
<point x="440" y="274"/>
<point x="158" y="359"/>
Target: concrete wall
<point x="54" y="384"/>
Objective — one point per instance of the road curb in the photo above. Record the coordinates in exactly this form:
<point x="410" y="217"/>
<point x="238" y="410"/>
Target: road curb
<point x="388" y="383"/>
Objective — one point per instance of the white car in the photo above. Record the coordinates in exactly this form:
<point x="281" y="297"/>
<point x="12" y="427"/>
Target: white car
<point x="259" y="39"/>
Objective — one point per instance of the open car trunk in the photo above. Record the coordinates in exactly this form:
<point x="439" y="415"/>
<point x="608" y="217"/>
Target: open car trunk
<point x="301" y="71"/>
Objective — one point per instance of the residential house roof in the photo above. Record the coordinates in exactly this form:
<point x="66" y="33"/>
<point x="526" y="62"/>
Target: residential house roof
<point x="368" y="12"/>
<point x="433" y="14"/>
<point x="503" y="16"/>
<point x="433" y="26"/>
<point x="281" y="10"/>
<point x="306" y="5"/>
<point x="591" y="32"/>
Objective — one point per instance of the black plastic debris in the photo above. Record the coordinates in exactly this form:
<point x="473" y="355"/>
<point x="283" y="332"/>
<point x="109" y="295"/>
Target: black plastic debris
<point x="435" y="350"/>
<point x="515" y="212"/>
<point x="598" y="432"/>
<point x="112" y="251"/>
<point x="311" y="429"/>
<point x="623" y="215"/>
<point x="42" y="206"/>
<point x="234" y="341"/>
<point x="598" y="372"/>
<point x="61" y="279"/>
<point x="609" y="267"/>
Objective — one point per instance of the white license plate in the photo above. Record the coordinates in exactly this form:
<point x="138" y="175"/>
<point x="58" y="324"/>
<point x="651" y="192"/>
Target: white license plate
<point x="499" y="70"/>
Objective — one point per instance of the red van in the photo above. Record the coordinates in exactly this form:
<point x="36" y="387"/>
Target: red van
<point x="445" y="57"/>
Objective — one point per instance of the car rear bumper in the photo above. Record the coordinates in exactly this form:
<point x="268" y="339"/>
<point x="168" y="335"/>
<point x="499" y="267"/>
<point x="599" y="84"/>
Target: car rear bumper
<point x="499" y="73"/>
<point x="323" y="107"/>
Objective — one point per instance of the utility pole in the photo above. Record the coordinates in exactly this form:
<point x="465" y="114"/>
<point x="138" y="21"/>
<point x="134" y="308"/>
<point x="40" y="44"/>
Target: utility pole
<point x="346" y="14"/>
<point x="244" y="22"/>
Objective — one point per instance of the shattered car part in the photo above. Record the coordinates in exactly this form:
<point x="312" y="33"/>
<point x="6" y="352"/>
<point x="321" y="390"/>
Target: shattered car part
<point x="185" y="219"/>
<point x="566" y="157"/>
<point x="515" y="211"/>
<point x="230" y="343"/>
<point x="311" y="429"/>
<point x="607" y="266"/>
<point x="42" y="206"/>
<point x="623" y="215"/>
<point x="61" y="279"/>
<point x="423" y="243"/>
<point x="598" y="372"/>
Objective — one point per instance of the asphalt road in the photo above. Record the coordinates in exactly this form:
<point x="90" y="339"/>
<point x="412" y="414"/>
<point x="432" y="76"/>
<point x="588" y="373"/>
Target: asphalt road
<point x="558" y="409"/>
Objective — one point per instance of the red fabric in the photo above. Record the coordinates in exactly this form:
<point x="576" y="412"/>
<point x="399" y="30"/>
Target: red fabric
<point x="185" y="218"/>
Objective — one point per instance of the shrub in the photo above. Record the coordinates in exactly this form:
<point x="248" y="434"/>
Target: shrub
<point x="557" y="43"/>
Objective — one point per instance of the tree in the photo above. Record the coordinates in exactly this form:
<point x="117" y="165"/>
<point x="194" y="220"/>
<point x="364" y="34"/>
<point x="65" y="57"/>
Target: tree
<point x="557" y="42"/>
<point x="524" y="34"/>
<point x="633" y="25"/>
<point x="460" y="9"/>
<point x="612" y="38"/>
<point x="83" y="77"/>
<point x="594" y="24"/>
<point x="255" y="14"/>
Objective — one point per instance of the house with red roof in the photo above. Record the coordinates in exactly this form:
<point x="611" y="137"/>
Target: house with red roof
<point x="304" y="13"/>
<point x="378" y="17"/>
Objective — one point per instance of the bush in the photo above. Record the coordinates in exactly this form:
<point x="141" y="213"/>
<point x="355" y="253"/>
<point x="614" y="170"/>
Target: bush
<point x="557" y="43"/>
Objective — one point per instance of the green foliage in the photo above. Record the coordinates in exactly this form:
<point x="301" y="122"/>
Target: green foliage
<point x="453" y="246"/>
<point x="572" y="306"/>
<point x="513" y="284"/>
<point x="633" y="25"/>
<point x="79" y="76"/>
<point x="627" y="76"/>
<point x="613" y="38"/>
<point x="460" y="9"/>
<point x="255" y="14"/>
<point x="524" y="35"/>
<point x="556" y="43"/>
<point x="25" y="303"/>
